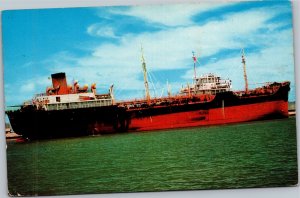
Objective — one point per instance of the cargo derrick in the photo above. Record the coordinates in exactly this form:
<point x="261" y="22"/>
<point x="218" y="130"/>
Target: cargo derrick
<point x="245" y="73"/>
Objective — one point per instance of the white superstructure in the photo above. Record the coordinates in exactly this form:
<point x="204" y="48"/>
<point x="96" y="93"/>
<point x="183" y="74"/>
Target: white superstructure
<point x="208" y="84"/>
<point x="62" y="96"/>
<point x="71" y="101"/>
<point x="211" y="84"/>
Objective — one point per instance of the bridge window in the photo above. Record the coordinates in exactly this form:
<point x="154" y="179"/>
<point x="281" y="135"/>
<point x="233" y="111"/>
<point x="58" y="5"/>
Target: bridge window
<point x="57" y="99"/>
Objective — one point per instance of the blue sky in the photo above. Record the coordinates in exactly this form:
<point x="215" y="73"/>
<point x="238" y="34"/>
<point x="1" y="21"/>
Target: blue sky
<point x="103" y="44"/>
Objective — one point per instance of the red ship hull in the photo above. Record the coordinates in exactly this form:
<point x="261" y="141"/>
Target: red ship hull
<point x="216" y="116"/>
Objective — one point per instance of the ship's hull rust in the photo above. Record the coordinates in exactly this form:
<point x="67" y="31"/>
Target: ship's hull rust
<point x="225" y="108"/>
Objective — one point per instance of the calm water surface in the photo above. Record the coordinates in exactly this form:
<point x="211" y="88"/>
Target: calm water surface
<point x="259" y="154"/>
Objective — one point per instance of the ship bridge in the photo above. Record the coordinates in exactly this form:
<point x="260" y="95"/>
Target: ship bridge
<point x="208" y="84"/>
<point x="211" y="84"/>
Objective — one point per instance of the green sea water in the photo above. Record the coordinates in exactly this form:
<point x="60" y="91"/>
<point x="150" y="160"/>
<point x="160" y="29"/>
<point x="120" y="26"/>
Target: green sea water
<point x="257" y="154"/>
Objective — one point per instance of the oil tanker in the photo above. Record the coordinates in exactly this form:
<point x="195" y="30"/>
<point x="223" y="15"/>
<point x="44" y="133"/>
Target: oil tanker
<point x="68" y="111"/>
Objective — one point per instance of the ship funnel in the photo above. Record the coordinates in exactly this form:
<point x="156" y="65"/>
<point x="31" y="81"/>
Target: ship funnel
<point x="59" y="83"/>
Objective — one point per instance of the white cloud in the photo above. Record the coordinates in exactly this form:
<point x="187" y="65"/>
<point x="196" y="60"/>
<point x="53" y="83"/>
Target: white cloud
<point x="28" y="87"/>
<point x="28" y="64"/>
<point x="101" y="31"/>
<point x="273" y="63"/>
<point x="170" y="15"/>
<point x="171" y="48"/>
<point x="25" y="89"/>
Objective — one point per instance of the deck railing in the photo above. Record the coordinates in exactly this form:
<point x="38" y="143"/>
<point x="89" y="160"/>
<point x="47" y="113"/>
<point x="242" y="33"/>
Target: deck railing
<point x="78" y="105"/>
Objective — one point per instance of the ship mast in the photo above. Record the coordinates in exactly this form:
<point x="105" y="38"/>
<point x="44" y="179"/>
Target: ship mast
<point x="195" y="60"/>
<point x="169" y="89"/>
<point x="245" y="74"/>
<point x="145" y="77"/>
